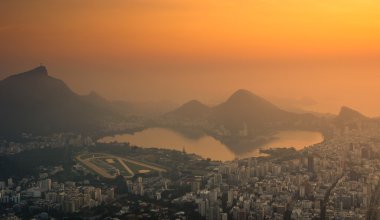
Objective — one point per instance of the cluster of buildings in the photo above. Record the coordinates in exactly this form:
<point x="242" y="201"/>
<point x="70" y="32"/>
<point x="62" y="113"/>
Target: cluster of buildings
<point x="336" y="179"/>
<point x="151" y="187"/>
<point x="47" y="195"/>
<point x="69" y="198"/>
<point x="40" y="142"/>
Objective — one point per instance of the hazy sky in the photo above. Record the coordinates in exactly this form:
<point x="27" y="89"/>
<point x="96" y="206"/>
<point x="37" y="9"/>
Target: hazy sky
<point x="325" y="50"/>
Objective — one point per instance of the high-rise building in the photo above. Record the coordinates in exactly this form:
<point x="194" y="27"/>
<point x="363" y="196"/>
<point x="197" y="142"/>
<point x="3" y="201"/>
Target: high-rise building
<point x="195" y="186"/>
<point x="2" y="185"/>
<point x="218" y="179"/>
<point x="10" y="182"/>
<point x="230" y="198"/>
<point x="223" y="216"/>
<point x="310" y="163"/>
<point x="44" y="185"/>
<point x="214" y="212"/>
<point x="213" y="195"/>
<point x="202" y="207"/>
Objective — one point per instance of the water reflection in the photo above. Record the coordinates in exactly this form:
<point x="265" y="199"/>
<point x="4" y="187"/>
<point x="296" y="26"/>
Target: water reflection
<point x="207" y="146"/>
<point x="296" y="139"/>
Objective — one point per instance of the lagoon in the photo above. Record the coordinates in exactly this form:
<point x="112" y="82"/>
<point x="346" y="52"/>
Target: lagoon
<point x="209" y="147"/>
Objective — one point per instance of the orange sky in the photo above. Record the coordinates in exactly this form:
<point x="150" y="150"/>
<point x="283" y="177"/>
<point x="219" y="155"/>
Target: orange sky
<point x="328" y="50"/>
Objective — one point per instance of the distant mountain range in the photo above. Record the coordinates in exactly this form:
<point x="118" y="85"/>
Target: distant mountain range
<point x="37" y="103"/>
<point x="34" y="102"/>
<point x="243" y="108"/>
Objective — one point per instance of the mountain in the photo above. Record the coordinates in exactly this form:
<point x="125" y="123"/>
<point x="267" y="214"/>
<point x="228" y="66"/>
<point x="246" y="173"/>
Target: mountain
<point x="245" y="109"/>
<point x="37" y="103"/>
<point x="348" y="115"/>
<point x="191" y="110"/>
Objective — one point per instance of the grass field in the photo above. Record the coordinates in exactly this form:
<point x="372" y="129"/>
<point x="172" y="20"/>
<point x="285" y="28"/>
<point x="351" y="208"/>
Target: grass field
<point x="110" y="166"/>
<point x="121" y="168"/>
<point x="135" y="167"/>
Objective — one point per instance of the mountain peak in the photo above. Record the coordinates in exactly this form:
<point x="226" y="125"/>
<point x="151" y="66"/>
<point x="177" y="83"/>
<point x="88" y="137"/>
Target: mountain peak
<point x="349" y="113"/>
<point x="242" y="93"/>
<point x="37" y="72"/>
<point x="244" y="107"/>
<point x="191" y="109"/>
<point x="193" y="102"/>
<point x="348" y="110"/>
<point x="34" y="102"/>
<point x="193" y="105"/>
<point x="244" y="96"/>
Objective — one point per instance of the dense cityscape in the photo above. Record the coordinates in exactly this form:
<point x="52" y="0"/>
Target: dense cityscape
<point x="336" y="179"/>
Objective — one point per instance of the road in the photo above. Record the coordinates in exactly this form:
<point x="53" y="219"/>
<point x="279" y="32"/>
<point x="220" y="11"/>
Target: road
<point x="125" y="166"/>
<point x="327" y="198"/>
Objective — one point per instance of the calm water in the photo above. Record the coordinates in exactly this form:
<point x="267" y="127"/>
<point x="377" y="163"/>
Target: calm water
<point x="209" y="147"/>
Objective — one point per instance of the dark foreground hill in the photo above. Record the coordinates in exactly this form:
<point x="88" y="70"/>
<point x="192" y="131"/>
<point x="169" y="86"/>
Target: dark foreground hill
<point x="37" y="103"/>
